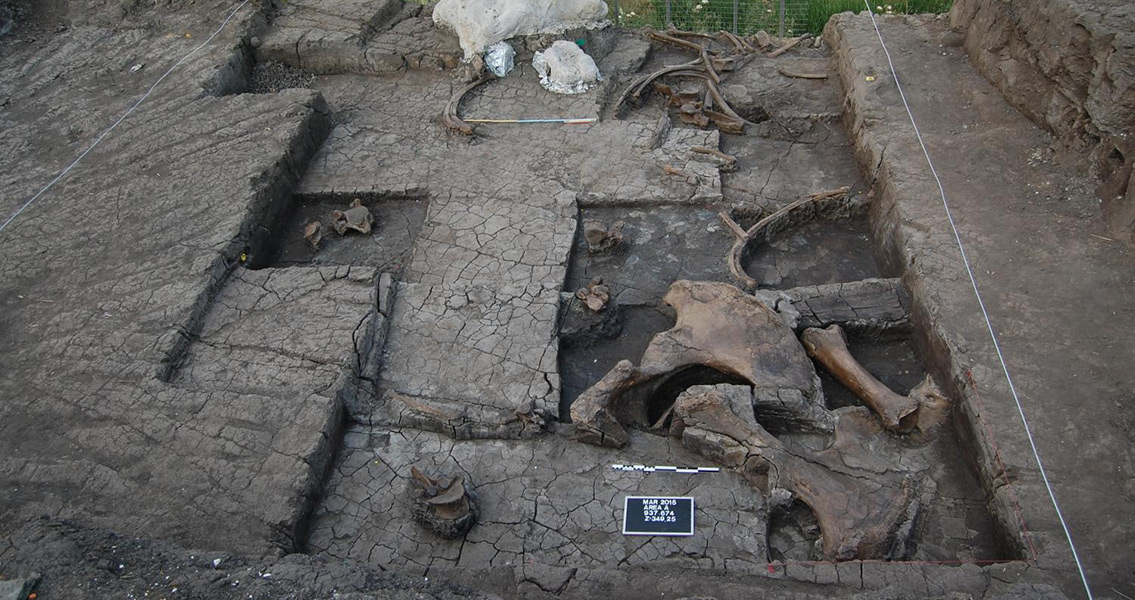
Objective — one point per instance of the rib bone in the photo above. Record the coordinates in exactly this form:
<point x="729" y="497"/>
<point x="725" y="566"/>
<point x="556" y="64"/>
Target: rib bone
<point x="829" y="347"/>
<point x="449" y="117"/>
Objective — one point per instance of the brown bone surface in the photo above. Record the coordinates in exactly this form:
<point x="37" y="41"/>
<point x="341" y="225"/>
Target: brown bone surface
<point x="449" y="116"/>
<point x="826" y="205"/>
<point x="829" y="347"/>
<point x="720" y="327"/>
<point x="443" y="505"/>
<point x="863" y="513"/>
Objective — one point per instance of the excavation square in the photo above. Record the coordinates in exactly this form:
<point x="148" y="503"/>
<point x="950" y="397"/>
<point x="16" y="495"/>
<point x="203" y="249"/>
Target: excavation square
<point x="646" y="515"/>
<point x="397" y="221"/>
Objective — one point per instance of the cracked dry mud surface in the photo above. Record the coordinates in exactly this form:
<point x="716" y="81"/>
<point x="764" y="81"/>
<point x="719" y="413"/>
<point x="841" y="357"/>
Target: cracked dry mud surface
<point x="549" y="505"/>
<point x="185" y="370"/>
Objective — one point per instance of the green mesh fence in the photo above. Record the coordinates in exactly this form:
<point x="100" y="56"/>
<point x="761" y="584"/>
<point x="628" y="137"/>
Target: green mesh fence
<point x="745" y="17"/>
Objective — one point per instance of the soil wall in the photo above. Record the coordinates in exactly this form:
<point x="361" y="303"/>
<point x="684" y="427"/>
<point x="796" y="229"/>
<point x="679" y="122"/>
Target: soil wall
<point x="1070" y="67"/>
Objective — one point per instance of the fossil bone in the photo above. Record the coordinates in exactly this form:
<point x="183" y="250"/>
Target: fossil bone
<point x="444" y="505"/>
<point x="728" y="161"/>
<point x="862" y="512"/>
<point x="823" y="204"/>
<point x="595" y="296"/>
<point x="357" y="217"/>
<point x="312" y="232"/>
<point x="676" y="41"/>
<point x="601" y="238"/>
<point x="717" y="326"/>
<point x="449" y="116"/>
<point x="739" y="43"/>
<point x="792" y="43"/>
<point x="762" y="39"/>
<point x="829" y="347"/>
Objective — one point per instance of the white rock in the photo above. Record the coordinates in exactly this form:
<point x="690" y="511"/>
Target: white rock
<point x="480" y="23"/>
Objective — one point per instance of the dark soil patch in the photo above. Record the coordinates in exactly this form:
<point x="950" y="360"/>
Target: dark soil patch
<point x="793" y="533"/>
<point x="662" y="244"/>
<point x="583" y="367"/>
<point x="397" y="221"/>
<point x="815" y="254"/>
<point x="271" y="77"/>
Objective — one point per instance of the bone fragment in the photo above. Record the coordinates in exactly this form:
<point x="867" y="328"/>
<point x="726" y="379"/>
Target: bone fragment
<point x="709" y="66"/>
<point x="443" y="505"/>
<point x="829" y="347"/>
<point x="312" y="232"/>
<point x="802" y="210"/>
<point x="675" y="32"/>
<point x="672" y="170"/>
<point x="694" y="114"/>
<point x="792" y="43"/>
<point x="801" y="75"/>
<point x="357" y="217"/>
<point x="595" y="296"/>
<point x="635" y="89"/>
<point x="762" y="39"/>
<point x="731" y="224"/>
<point x="601" y="238"/>
<point x="728" y="161"/>
<point x="741" y="45"/>
<point x="676" y="41"/>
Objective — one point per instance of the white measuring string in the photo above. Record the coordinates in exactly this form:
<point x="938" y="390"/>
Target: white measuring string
<point x="99" y="139"/>
<point x="984" y="312"/>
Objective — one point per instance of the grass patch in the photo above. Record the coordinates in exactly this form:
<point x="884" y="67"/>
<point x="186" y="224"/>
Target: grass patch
<point x="753" y="15"/>
<point x="819" y="11"/>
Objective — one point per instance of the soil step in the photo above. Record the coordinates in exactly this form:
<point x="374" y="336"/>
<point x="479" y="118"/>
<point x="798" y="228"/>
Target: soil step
<point x="1056" y="286"/>
<point x="357" y="36"/>
<point x="1069" y="66"/>
<point x="281" y="332"/>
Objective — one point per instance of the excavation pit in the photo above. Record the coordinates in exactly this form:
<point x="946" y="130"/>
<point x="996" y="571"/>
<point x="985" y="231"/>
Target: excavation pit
<point x="816" y="253"/>
<point x="582" y="366"/>
<point x="661" y="244"/>
<point x="397" y="221"/>
<point x="216" y="340"/>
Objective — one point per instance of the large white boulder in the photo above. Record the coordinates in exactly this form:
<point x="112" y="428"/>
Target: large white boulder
<point x="480" y="23"/>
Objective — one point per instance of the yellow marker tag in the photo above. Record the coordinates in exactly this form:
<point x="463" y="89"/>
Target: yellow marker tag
<point x="243" y="257"/>
<point x="870" y="78"/>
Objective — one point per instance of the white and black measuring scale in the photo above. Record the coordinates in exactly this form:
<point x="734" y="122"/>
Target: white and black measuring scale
<point x="659" y="515"/>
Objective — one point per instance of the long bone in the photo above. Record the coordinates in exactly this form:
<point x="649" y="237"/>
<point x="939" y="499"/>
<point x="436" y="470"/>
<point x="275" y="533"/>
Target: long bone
<point x="829" y="347"/>
<point x="861" y="513"/>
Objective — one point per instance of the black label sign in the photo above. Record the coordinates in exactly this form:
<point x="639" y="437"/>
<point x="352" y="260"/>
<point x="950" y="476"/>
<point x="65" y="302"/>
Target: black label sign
<point x="644" y="515"/>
